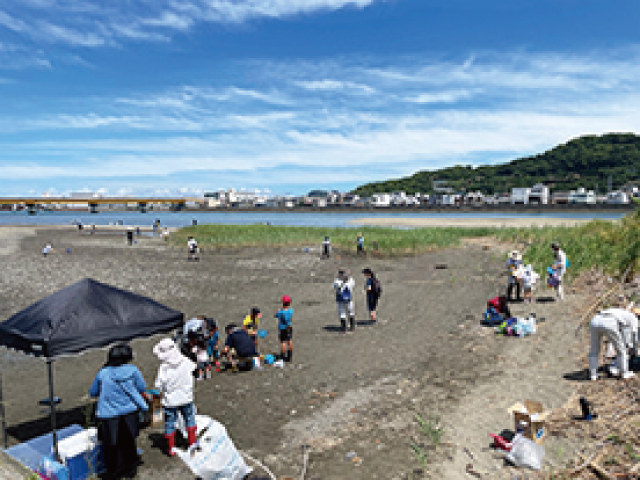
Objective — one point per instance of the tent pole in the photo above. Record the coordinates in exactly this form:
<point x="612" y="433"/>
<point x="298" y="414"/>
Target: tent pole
<point x="4" y="423"/>
<point x="52" y="405"/>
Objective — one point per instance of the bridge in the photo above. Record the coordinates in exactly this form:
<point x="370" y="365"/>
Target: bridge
<point x="32" y="203"/>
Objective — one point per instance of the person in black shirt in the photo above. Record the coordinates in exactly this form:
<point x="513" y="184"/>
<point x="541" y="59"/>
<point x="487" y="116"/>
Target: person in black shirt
<point x="238" y="345"/>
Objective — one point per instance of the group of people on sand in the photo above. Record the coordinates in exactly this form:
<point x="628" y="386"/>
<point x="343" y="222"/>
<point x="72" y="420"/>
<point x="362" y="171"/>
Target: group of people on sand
<point x="522" y="278"/>
<point x="619" y="326"/>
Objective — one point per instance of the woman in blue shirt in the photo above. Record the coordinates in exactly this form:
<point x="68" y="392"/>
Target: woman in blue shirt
<point x="285" y="328"/>
<point x="119" y="387"/>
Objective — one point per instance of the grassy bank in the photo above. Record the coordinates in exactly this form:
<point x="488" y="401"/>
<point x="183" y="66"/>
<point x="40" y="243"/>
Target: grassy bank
<point x="612" y="247"/>
<point x="390" y="241"/>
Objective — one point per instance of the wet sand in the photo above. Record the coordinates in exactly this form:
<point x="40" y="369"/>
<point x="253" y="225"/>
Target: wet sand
<point x="473" y="222"/>
<point x="343" y="393"/>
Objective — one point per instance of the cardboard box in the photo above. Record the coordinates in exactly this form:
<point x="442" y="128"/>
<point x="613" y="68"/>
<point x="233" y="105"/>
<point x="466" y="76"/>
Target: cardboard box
<point x="156" y="413"/>
<point x="533" y="415"/>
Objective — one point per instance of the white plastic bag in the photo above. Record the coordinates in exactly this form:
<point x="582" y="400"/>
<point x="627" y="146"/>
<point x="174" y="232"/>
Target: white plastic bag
<point x="215" y="457"/>
<point x="525" y="453"/>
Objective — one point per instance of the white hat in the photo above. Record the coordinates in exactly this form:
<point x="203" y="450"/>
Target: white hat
<point x="167" y="351"/>
<point x="516" y="255"/>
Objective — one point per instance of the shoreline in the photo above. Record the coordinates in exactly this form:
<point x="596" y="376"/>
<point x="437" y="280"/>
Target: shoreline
<point x="473" y="222"/>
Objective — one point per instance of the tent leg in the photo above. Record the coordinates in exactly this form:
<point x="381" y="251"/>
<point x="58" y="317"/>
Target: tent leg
<point x="4" y="422"/>
<point x="52" y="404"/>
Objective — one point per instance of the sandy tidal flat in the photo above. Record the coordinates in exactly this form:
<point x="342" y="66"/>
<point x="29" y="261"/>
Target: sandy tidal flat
<point x="473" y="222"/>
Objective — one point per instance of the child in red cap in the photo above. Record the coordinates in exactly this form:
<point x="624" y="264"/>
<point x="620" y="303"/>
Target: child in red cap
<point x="285" y="328"/>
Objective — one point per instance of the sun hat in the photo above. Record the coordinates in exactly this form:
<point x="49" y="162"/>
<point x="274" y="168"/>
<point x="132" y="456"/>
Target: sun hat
<point x="167" y="351"/>
<point x="516" y="255"/>
<point x="286" y="299"/>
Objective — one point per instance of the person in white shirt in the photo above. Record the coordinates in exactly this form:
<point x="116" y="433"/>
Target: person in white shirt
<point x="529" y="280"/>
<point x="192" y="247"/>
<point x="559" y="267"/>
<point x="175" y="383"/>
<point x="514" y="266"/>
<point x="48" y="248"/>
<point x="620" y="327"/>
<point x="344" y="287"/>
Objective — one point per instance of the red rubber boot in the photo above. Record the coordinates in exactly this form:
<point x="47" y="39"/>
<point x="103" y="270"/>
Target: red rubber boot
<point x="171" y="443"/>
<point x="191" y="434"/>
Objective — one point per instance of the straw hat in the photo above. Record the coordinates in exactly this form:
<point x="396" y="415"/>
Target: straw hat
<point x="167" y="351"/>
<point x="516" y="255"/>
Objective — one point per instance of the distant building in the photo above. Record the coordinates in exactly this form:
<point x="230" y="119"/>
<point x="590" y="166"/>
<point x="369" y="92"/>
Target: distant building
<point x="617" y="197"/>
<point x="539" y="194"/>
<point x="582" y="196"/>
<point x="520" y="196"/>
<point x="442" y="186"/>
<point x="560" y="197"/>
<point x="381" y="200"/>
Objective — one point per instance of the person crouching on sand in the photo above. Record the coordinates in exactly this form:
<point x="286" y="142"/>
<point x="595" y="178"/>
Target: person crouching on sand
<point x="175" y="383"/>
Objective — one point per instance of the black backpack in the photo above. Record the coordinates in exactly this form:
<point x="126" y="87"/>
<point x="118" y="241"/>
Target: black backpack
<point x="376" y="287"/>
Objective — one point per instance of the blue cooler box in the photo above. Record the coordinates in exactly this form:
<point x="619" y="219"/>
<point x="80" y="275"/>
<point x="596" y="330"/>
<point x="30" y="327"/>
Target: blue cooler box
<point x="82" y="454"/>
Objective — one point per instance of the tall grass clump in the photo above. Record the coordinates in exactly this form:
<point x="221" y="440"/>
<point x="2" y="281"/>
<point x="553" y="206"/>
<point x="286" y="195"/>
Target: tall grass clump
<point x="390" y="241"/>
<point x="613" y="247"/>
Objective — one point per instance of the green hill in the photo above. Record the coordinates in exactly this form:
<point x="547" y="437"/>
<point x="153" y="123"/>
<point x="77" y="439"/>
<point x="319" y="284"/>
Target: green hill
<point x="586" y="162"/>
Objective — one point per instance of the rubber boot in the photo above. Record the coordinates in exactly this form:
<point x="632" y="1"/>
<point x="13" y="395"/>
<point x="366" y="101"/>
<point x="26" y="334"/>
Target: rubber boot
<point x="289" y="355"/>
<point x="171" y="443"/>
<point x="343" y="324"/>
<point x="352" y="323"/>
<point x="191" y="435"/>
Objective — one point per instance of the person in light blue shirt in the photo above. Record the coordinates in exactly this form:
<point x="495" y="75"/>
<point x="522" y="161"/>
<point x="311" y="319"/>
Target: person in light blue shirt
<point x="285" y="328"/>
<point x="119" y="388"/>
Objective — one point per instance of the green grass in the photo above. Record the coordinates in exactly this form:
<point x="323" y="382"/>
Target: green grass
<point x="613" y="247"/>
<point x="391" y="241"/>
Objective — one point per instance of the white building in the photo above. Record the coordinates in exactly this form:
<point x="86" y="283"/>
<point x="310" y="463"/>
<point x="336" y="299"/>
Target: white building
<point x="582" y="196"/>
<point x="539" y="194"/>
<point x="381" y="200"/>
<point x="520" y="196"/>
<point x="617" y="197"/>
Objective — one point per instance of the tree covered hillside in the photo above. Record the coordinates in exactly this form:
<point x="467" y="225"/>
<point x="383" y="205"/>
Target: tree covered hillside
<point x="586" y="162"/>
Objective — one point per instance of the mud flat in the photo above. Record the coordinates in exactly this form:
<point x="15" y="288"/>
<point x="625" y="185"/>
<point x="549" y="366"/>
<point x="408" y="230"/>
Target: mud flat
<point x="343" y="393"/>
<point x="472" y="222"/>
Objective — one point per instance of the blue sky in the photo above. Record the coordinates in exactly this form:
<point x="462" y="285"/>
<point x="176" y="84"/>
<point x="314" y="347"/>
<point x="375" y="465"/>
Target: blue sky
<point x="165" y="97"/>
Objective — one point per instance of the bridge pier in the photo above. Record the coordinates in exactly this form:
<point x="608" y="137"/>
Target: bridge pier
<point x="93" y="208"/>
<point x="142" y="206"/>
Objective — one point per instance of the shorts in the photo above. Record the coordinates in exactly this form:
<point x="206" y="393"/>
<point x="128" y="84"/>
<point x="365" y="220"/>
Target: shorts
<point x="286" y="334"/>
<point x="346" y="309"/>
<point x="171" y="417"/>
<point x="203" y="365"/>
<point x="372" y="302"/>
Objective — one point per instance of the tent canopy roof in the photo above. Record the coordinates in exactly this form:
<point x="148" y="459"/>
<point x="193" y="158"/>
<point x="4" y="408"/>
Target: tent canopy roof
<point x="85" y="315"/>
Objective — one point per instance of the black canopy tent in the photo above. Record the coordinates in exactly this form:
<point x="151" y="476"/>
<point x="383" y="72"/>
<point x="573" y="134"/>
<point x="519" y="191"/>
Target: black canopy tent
<point x="83" y="316"/>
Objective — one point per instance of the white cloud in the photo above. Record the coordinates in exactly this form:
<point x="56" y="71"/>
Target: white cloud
<point x="334" y="85"/>
<point x="422" y="114"/>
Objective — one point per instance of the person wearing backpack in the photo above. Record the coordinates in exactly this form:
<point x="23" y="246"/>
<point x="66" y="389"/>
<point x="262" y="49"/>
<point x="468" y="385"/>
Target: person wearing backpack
<point x="373" y="289"/>
<point x="344" y="286"/>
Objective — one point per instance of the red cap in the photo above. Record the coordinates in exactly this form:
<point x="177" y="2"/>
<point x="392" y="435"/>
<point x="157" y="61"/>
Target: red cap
<point x="286" y="299"/>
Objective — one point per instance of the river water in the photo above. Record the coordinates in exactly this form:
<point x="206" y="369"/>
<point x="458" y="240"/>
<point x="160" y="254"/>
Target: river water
<point x="318" y="219"/>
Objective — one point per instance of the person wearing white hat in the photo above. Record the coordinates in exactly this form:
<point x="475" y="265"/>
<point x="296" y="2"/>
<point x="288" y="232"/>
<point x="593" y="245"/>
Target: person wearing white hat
<point x="514" y="266"/>
<point x="175" y="383"/>
<point x="620" y="327"/>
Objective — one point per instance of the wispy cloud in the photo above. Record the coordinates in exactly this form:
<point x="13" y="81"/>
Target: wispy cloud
<point x="292" y="116"/>
<point x="80" y="23"/>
